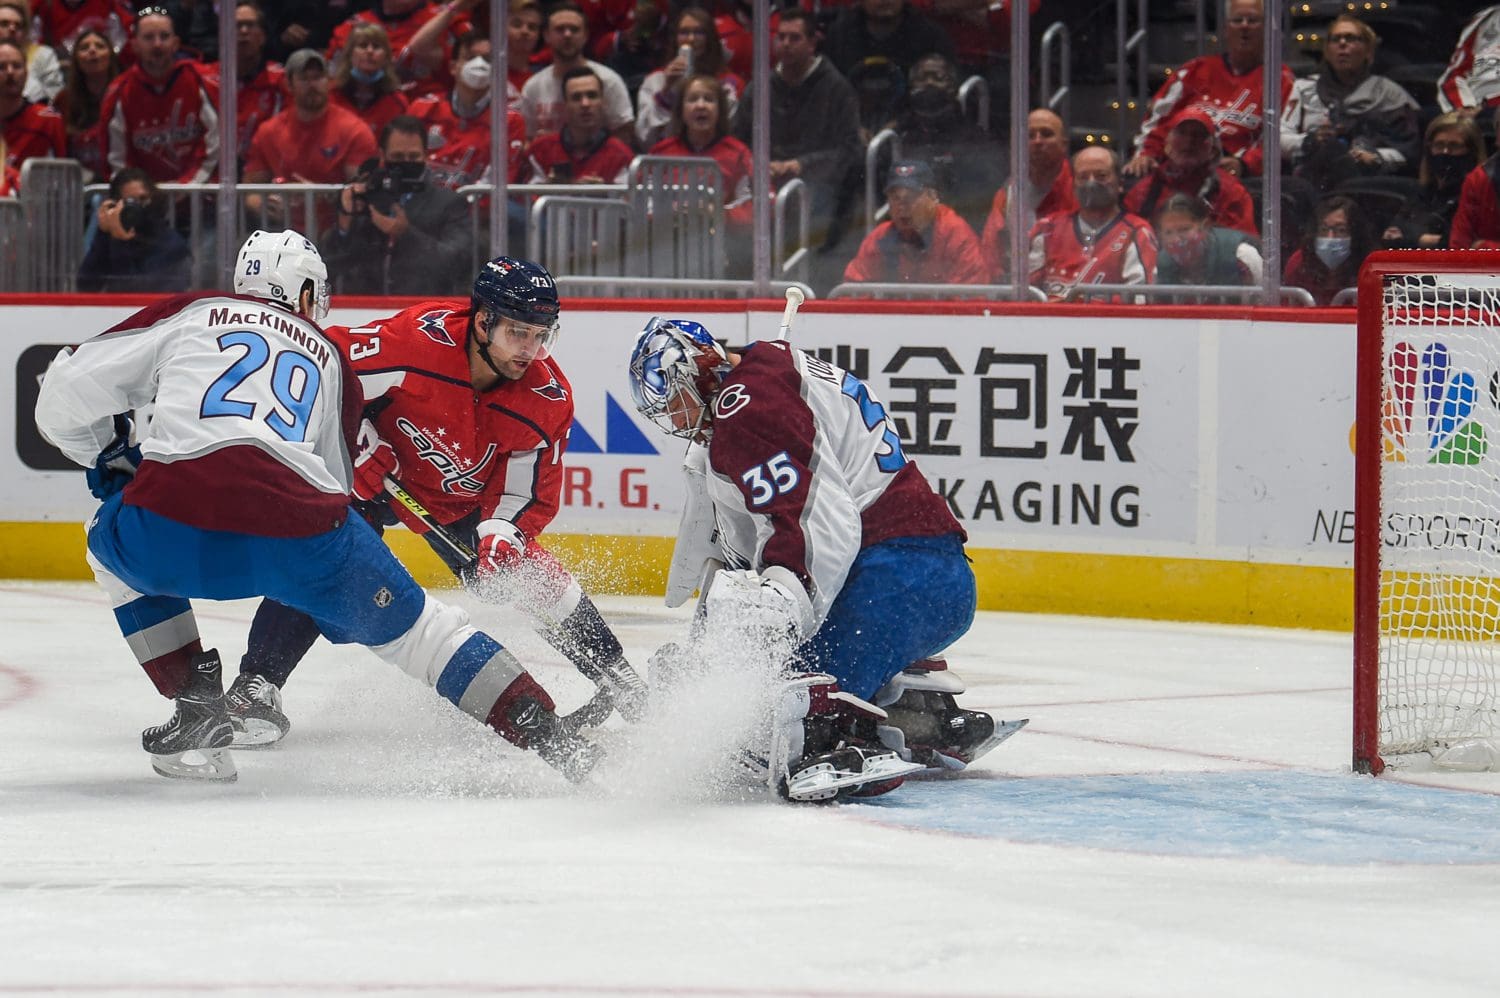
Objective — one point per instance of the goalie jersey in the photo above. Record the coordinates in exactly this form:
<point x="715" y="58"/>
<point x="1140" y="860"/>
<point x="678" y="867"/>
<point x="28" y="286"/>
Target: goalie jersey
<point x="252" y="413"/>
<point x="459" y="450"/>
<point x="805" y="470"/>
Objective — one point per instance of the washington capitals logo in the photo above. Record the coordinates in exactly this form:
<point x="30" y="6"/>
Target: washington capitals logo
<point x="552" y="391"/>
<point x="432" y="324"/>
<point x="457" y="480"/>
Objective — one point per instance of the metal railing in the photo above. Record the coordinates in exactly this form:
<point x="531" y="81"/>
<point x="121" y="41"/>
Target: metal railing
<point x="976" y="90"/>
<point x="15" y="275"/>
<point x="1152" y="292"/>
<point x="874" y="203"/>
<point x="1057" y="47"/>
<point x="607" y="286"/>
<point x="1127" y="44"/>
<point x="879" y="289"/>
<point x="52" y="205"/>
<point x="677" y="217"/>
<point x="792" y="264"/>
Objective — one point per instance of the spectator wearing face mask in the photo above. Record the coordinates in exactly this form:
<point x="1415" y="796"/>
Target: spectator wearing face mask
<point x="1192" y="167"/>
<point x="1476" y="220"/>
<point x="1196" y="251"/>
<point x="1332" y="250"/>
<point x="966" y="159"/>
<point x="1099" y="243"/>
<point x="134" y="249"/>
<point x="1452" y="148"/>
<point x="398" y="233"/>
<point x="366" y="81"/>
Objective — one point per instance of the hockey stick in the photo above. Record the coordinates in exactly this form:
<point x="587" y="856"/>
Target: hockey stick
<point x="451" y="541"/>
<point x="794" y="299"/>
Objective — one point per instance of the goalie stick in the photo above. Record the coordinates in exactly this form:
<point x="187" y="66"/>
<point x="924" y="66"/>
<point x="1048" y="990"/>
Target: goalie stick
<point x="794" y="299"/>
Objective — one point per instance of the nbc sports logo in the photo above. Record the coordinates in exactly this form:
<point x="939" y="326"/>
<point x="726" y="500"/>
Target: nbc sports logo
<point x="1427" y="410"/>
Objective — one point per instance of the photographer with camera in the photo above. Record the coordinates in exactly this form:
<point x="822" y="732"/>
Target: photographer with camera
<point x="134" y="248"/>
<point x="397" y="232"/>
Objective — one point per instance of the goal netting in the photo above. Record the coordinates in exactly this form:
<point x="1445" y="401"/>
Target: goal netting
<point x="1427" y="556"/>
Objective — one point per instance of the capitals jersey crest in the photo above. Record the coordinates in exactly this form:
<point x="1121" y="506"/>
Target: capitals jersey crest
<point x="552" y="391"/>
<point x="432" y="324"/>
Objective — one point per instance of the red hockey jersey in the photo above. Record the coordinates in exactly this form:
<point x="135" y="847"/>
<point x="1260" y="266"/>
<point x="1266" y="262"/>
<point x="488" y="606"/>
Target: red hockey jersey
<point x="59" y="23"/>
<point x="1064" y="255"/>
<point x="35" y="130"/>
<point x="733" y="157"/>
<point x="498" y="451"/>
<point x="1231" y="99"/>
<point x="169" y="128"/>
<point x="458" y="148"/>
<point x="554" y="162"/>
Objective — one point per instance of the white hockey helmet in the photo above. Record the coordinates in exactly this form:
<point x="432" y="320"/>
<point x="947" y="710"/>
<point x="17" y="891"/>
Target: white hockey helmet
<point x="275" y="266"/>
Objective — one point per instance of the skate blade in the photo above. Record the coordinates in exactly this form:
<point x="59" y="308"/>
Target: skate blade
<point x="205" y="765"/>
<point x="952" y="764"/>
<point x="824" y="782"/>
<point x="253" y="733"/>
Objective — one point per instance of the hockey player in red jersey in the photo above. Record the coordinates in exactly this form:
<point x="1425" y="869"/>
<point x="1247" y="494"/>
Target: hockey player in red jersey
<point x="836" y="549"/>
<point x="467" y="409"/>
<point x="238" y="486"/>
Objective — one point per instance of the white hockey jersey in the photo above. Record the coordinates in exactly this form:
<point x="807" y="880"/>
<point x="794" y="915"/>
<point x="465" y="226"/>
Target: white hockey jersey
<point x="805" y="470"/>
<point x="252" y="413"/>
<point x="1472" y="78"/>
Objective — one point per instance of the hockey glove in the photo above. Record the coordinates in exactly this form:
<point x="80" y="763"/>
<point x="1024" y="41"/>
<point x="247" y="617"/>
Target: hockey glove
<point x="501" y="545"/>
<point x="116" y="464"/>
<point x="376" y="460"/>
<point x="770" y="612"/>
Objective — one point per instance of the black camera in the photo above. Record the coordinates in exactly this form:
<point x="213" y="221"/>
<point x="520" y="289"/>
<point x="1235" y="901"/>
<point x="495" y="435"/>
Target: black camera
<point x="133" y="213"/>
<point x="386" y="185"/>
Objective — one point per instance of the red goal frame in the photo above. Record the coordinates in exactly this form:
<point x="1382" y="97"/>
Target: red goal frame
<point x="1367" y="469"/>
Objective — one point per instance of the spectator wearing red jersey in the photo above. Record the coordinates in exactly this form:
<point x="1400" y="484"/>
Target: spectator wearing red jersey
<point x="1098" y="243"/>
<point x="93" y="66"/>
<point x="584" y="152"/>
<point x="1476" y="223"/>
<point x="44" y="75"/>
<point x="542" y="97"/>
<point x="60" y="23"/>
<point x="311" y="142"/>
<point x="923" y="242"/>
<point x="366" y="81"/>
<point x="1228" y="86"/>
<point x="700" y="127"/>
<point x="1472" y="80"/>
<point x="523" y="39"/>
<point x="1192" y="167"/>
<point x="161" y="114"/>
<point x="421" y="69"/>
<point x="698" y="37"/>
<point x="457" y="124"/>
<point x="1332" y="250"/>
<point x="29" y="129"/>
<point x="1049" y="189"/>
<point x="262" y="92"/>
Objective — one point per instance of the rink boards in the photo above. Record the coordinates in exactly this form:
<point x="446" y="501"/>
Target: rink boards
<point x="1173" y="463"/>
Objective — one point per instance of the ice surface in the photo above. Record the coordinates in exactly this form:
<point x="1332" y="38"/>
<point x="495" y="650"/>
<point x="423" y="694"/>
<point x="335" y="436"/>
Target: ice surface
<point x="1178" y="819"/>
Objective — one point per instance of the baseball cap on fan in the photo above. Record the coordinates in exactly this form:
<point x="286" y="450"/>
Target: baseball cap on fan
<point x="302" y="59"/>
<point x="1196" y="115"/>
<point x="912" y="174"/>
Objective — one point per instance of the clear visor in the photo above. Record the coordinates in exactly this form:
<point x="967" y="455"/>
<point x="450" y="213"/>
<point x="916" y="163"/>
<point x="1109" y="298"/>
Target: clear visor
<point x="525" y="337"/>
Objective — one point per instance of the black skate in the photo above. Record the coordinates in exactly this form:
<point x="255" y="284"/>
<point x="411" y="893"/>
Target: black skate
<point x="940" y="734"/>
<point x="194" y="744"/>
<point x="556" y="742"/>
<point x="254" y="704"/>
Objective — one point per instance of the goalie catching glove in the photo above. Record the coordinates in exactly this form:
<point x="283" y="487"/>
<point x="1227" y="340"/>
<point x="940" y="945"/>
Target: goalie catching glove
<point x="768" y="610"/>
<point x="116" y="464"/>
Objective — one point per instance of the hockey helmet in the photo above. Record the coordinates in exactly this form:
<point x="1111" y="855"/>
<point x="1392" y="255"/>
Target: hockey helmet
<point x="676" y="363"/>
<point x="276" y="266"/>
<point x="519" y="290"/>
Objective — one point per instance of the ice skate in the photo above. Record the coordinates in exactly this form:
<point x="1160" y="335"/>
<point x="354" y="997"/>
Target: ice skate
<point x="561" y="747"/>
<point x="926" y="725"/>
<point x="194" y="743"/>
<point x="254" y="704"/>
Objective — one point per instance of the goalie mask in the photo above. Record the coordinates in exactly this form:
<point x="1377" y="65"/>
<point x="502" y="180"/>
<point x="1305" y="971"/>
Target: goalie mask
<point x="277" y="266"/>
<point x="675" y="371"/>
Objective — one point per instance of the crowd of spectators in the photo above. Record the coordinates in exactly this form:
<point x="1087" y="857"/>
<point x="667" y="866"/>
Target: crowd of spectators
<point x="391" y="99"/>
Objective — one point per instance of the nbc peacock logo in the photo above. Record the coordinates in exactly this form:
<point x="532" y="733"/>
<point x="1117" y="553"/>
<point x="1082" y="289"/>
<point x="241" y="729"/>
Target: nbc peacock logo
<point x="1427" y="408"/>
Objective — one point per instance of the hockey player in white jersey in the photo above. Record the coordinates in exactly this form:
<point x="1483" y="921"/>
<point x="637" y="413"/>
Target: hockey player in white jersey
<point x="238" y="486"/>
<point x="833" y="540"/>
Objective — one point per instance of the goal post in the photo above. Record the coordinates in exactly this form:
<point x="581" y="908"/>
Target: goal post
<point x="1427" y="510"/>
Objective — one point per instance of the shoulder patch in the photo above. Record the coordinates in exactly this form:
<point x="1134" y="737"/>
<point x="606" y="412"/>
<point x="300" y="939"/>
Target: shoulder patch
<point x="730" y="400"/>
<point x="552" y="391"/>
<point x="431" y="323"/>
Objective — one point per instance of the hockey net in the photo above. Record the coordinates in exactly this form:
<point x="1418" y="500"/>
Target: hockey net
<point x="1427" y="511"/>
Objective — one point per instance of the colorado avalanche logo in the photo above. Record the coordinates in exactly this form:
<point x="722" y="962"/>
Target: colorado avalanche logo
<point x="432" y="325"/>
<point x="552" y="391"/>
